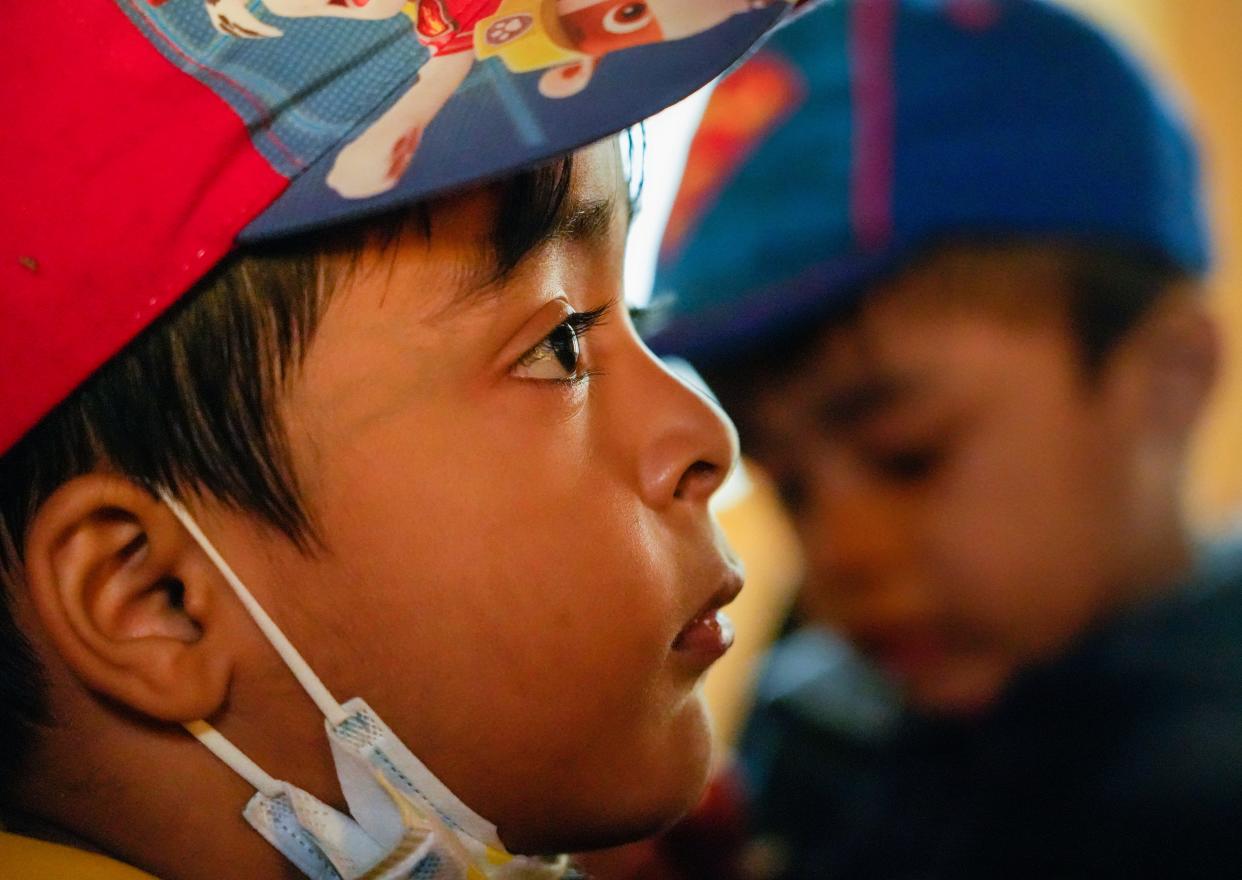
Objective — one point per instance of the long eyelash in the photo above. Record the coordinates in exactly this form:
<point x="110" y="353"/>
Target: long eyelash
<point x="581" y="322"/>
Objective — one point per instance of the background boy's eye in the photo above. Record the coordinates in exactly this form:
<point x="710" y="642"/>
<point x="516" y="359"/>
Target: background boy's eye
<point x="908" y="465"/>
<point x="791" y="489"/>
<point x="556" y="357"/>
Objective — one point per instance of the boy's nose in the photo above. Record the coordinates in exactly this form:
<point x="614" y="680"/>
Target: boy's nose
<point x="694" y="446"/>
<point x="850" y="538"/>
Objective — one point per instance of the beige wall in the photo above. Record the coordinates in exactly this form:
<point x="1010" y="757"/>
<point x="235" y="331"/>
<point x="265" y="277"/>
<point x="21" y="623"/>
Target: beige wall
<point x="1195" y="44"/>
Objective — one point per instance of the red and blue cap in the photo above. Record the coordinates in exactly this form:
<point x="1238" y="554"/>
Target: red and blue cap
<point x="146" y="138"/>
<point x="891" y="124"/>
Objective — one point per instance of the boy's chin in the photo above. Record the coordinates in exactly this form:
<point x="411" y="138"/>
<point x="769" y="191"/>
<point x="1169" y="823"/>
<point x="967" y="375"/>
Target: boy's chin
<point x="644" y="799"/>
<point x="963" y="694"/>
<point x="604" y="833"/>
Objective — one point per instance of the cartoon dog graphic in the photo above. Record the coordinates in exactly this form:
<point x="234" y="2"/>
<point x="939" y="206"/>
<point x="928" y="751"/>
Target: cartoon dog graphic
<point x="563" y="38"/>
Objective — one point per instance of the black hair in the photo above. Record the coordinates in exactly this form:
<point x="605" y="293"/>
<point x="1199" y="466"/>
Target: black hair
<point x="1105" y="291"/>
<point x="1110" y="290"/>
<point x="191" y="404"/>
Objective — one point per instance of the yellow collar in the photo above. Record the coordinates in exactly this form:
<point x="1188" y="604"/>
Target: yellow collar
<point x="33" y="859"/>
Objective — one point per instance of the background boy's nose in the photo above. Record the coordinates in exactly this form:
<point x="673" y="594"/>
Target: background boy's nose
<point x="850" y="537"/>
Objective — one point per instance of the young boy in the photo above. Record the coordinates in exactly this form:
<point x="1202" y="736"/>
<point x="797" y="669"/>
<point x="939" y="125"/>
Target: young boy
<point x="419" y="458"/>
<point x="952" y="299"/>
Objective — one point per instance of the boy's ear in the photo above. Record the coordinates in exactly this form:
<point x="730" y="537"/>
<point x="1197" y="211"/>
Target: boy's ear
<point x="1183" y="353"/>
<point x="128" y="600"/>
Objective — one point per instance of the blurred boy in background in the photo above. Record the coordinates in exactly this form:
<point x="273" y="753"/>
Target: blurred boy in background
<point x="947" y="282"/>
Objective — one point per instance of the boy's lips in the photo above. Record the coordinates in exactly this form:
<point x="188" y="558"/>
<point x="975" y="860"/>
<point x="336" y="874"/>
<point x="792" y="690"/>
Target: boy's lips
<point x="709" y="633"/>
<point x="904" y="654"/>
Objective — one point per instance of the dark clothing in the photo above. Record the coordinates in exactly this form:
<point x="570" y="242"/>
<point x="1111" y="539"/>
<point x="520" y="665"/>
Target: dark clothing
<point x="1121" y="759"/>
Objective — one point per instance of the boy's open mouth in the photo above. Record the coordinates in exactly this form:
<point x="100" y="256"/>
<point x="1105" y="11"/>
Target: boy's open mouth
<point x="709" y="633"/>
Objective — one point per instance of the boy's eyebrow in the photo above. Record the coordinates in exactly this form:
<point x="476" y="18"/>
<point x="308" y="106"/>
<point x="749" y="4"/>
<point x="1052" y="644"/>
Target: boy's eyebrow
<point x="848" y="407"/>
<point x="584" y="221"/>
<point x="589" y="220"/>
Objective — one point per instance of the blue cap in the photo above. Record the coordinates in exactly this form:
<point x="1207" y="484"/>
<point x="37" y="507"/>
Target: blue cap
<point x="885" y="125"/>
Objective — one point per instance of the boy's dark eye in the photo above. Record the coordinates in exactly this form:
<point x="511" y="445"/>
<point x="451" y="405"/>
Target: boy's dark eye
<point x="555" y="358"/>
<point x="563" y="344"/>
<point x="558" y="356"/>
<point x="908" y="466"/>
<point x="792" y="492"/>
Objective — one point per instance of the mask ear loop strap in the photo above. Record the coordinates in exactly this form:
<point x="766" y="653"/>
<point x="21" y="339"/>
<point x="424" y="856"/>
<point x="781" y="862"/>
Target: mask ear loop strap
<point x="235" y="758"/>
<point x="301" y="670"/>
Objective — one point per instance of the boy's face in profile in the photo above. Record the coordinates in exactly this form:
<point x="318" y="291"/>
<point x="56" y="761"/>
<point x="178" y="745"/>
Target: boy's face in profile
<point x="970" y="498"/>
<point x="515" y="523"/>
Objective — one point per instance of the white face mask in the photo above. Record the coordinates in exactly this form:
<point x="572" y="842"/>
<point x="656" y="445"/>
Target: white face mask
<point x="403" y="823"/>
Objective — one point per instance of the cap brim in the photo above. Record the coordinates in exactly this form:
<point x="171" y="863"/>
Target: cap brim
<point x="499" y="121"/>
<point x="712" y="335"/>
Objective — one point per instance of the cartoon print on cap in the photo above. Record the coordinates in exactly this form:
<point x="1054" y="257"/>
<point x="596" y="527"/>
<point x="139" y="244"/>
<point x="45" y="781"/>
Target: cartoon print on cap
<point x="562" y="40"/>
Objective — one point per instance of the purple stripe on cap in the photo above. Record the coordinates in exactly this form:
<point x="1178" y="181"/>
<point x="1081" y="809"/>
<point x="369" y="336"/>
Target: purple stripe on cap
<point x="872" y="28"/>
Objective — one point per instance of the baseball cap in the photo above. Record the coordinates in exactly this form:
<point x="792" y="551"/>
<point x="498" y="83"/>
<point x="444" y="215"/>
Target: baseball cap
<point x="146" y="138"/>
<point x="891" y="124"/>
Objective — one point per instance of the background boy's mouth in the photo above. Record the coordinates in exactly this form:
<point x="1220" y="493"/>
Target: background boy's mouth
<point x="905" y="654"/>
